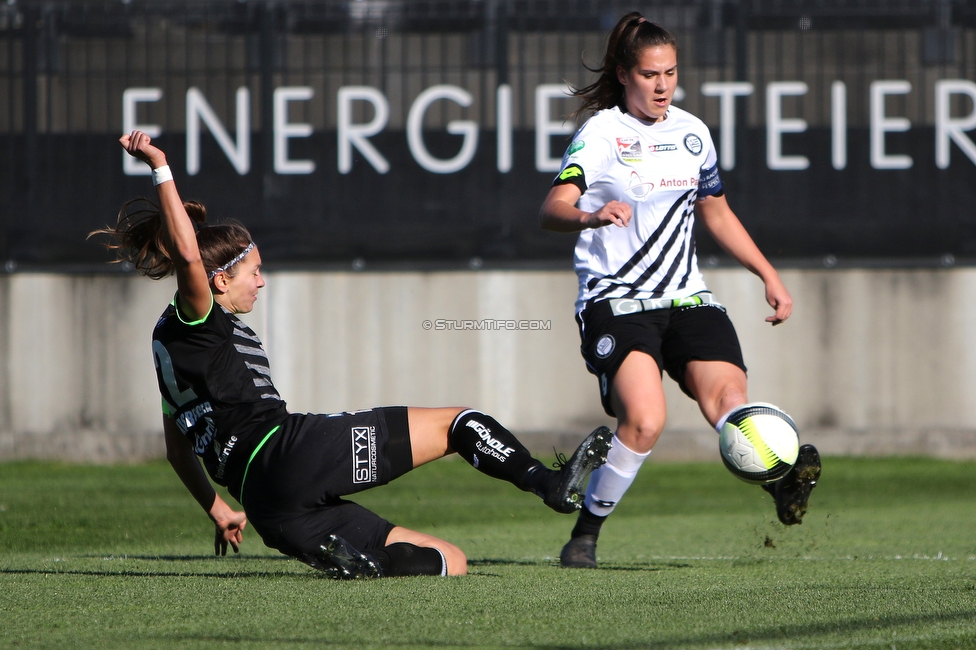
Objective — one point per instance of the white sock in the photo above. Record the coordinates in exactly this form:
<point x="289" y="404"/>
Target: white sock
<point x="609" y="483"/>
<point x="722" y="420"/>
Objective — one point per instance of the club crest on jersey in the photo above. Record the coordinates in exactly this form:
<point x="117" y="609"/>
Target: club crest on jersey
<point x="693" y="144"/>
<point x="638" y="189"/>
<point x="630" y="150"/>
<point x="604" y="346"/>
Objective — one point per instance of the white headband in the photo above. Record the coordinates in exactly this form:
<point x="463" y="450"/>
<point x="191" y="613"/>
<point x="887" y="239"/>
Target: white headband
<point x="231" y="263"/>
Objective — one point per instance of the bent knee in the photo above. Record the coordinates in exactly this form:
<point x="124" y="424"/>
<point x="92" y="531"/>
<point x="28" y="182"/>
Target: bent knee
<point x="457" y="563"/>
<point x="640" y="434"/>
<point x="637" y="439"/>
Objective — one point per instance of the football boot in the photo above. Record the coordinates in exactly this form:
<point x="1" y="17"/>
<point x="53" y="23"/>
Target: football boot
<point x="565" y="493"/>
<point x="792" y="492"/>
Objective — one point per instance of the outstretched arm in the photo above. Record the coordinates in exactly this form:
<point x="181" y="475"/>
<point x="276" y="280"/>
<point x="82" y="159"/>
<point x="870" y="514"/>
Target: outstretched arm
<point x="229" y="523"/>
<point x="725" y="227"/>
<point x="179" y="235"/>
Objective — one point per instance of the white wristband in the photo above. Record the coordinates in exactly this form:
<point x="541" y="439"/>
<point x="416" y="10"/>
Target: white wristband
<point x="161" y="175"/>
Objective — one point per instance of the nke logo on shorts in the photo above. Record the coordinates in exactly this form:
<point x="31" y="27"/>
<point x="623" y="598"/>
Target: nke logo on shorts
<point x="364" y="454"/>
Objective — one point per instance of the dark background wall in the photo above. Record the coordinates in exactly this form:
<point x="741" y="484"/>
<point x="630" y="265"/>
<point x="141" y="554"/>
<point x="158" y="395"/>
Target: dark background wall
<point x="64" y="66"/>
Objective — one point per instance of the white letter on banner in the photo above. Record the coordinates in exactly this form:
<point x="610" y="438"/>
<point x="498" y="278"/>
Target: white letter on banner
<point x="838" y="124"/>
<point x="776" y="125"/>
<point x="947" y="128"/>
<point x="545" y="128"/>
<point x="727" y="91"/>
<point x="197" y="108"/>
<point x="283" y="130"/>
<point x="465" y="128"/>
<point x="880" y="124"/>
<point x="503" y="128"/>
<point x="355" y="135"/>
<point x="130" y="97"/>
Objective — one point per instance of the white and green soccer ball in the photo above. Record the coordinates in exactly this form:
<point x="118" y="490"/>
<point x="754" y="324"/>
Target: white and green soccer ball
<point x="759" y="443"/>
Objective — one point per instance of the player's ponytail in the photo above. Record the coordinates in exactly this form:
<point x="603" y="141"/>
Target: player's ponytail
<point x="631" y="36"/>
<point x="138" y="238"/>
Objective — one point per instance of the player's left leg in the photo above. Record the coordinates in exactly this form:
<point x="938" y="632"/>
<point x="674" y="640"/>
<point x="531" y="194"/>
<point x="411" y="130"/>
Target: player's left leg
<point x="493" y="450"/>
<point x="717" y="386"/>
<point x="406" y="553"/>
<point x="400" y="541"/>
<point x="720" y="388"/>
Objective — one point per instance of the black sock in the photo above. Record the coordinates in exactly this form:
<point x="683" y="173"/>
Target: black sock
<point x="403" y="559"/>
<point x="587" y="524"/>
<point x="493" y="450"/>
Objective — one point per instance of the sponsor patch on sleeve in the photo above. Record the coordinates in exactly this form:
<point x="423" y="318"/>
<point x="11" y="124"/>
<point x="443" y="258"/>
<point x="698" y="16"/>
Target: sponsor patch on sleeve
<point x="572" y="174"/>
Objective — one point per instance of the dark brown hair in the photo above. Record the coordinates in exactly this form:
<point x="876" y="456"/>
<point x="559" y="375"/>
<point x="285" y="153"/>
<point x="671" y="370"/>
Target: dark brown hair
<point x="138" y="238"/>
<point x="631" y="36"/>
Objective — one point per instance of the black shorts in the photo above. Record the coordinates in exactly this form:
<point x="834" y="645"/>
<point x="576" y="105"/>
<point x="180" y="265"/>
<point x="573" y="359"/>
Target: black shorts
<point x="293" y="489"/>
<point x="673" y="337"/>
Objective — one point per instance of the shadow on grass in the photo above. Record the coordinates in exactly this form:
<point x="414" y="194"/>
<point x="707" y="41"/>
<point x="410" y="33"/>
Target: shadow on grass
<point x="658" y="566"/>
<point x="231" y="571"/>
<point x="153" y="574"/>
<point x="809" y="631"/>
<point x="180" y="558"/>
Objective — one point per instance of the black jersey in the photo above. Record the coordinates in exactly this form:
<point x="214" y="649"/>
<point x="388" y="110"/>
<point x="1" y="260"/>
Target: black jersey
<point x="216" y="383"/>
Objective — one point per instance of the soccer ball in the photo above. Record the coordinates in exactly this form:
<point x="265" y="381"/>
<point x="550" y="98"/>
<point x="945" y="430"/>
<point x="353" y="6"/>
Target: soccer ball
<point x="759" y="443"/>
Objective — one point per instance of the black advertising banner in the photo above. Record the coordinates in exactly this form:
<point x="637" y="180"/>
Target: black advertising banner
<point x="411" y="215"/>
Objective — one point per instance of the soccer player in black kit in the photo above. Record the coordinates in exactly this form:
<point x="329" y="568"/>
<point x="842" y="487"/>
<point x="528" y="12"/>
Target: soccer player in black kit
<point x="292" y="471"/>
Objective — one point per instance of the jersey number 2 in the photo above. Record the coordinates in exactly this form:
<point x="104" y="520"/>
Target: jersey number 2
<point x="165" y="365"/>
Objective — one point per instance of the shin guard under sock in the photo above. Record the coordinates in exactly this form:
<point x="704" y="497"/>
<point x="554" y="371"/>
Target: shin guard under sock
<point x="403" y="559"/>
<point x="610" y="482"/>
<point x="493" y="450"/>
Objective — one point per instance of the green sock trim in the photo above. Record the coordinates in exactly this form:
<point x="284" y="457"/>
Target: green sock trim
<point x="253" y="454"/>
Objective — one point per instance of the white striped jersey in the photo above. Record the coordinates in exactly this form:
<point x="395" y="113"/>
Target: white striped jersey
<point x="215" y="381"/>
<point x="660" y="169"/>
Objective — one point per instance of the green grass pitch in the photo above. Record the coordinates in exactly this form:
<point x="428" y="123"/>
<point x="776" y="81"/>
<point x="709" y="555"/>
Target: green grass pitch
<point x="119" y="557"/>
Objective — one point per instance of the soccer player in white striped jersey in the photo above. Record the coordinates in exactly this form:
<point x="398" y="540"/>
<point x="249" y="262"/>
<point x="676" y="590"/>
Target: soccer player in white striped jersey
<point x="631" y="183"/>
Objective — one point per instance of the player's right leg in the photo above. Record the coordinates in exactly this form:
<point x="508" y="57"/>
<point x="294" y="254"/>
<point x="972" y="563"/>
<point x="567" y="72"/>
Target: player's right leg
<point x="637" y="398"/>
<point x="494" y="450"/>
